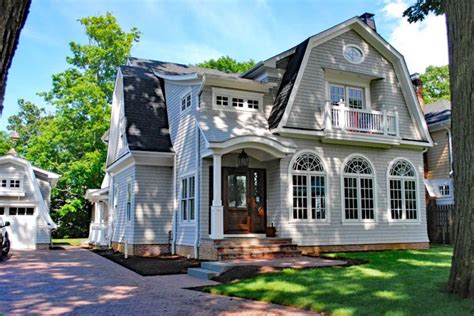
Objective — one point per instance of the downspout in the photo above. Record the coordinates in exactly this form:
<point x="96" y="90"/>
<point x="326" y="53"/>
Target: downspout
<point x="174" y="225"/>
<point x="450" y="152"/>
<point x="198" y="195"/>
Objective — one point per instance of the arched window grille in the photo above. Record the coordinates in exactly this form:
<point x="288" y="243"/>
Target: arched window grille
<point x="359" y="196"/>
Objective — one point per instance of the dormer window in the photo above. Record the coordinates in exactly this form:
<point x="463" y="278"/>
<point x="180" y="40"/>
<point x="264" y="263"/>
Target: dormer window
<point x="186" y="101"/>
<point x="15" y="184"/>
<point x="235" y="100"/>
<point x="352" y="97"/>
<point x="11" y="186"/>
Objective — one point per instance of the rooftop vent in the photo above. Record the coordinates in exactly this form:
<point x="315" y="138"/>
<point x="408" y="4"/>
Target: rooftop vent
<point x="368" y="18"/>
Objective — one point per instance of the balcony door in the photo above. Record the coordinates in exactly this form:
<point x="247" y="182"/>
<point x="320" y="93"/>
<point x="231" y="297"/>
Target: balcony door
<point x="244" y="200"/>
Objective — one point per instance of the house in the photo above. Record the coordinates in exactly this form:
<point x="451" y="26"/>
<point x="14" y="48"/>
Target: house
<point x="24" y="202"/>
<point x="439" y="161"/>
<point x="324" y="142"/>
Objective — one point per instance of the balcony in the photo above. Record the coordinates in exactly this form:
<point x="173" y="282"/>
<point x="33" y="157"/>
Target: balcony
<point x="344" y="123"/>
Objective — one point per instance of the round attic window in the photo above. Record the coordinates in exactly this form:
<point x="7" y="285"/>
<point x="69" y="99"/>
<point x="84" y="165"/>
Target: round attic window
<point x="353" y="54"/>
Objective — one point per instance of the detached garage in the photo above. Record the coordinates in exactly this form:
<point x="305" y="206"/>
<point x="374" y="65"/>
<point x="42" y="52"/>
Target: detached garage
<point x="24" y="202"/>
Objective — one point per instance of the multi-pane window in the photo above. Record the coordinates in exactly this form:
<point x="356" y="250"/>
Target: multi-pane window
<point x="359" y="197"/>
<point x="186" y="101"/>
<point x="444" y="190"/>
<point x="4" y="183"/>
<point x="308" y="188"/>
<point x="15" y="184"/>
<point x="10" y="183"/>
<point x="129" y="201"/>
<point x="402" y="187"/>
<point x="353" y="97"/>
<point x="222" y="100"/>
<point x="20" y="211"/>
<point x="188" y="205"/>
<point x="238" y="102"/>
<point x="2" y="211"/>
<point x="252" y="104"/>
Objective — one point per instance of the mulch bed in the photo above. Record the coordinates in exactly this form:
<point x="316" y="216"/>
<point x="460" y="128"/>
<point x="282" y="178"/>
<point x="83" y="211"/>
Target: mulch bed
<point x="238" y="273"/>
<point x="149" y="266"/>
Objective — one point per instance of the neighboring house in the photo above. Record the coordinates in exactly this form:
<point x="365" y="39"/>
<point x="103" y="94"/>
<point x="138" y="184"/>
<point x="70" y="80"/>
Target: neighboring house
<point x="439" y="162"/>
<point x="323" y="141"/>
<point x="24" y="202"/>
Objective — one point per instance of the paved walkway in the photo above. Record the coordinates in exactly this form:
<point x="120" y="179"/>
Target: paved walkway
<point x="77" y="281"/>
<point x="290" y="262"/>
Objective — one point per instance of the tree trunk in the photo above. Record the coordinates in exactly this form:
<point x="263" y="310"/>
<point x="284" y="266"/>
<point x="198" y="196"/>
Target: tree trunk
<point x="460" y="23"/>
<point x="12" y="18"/>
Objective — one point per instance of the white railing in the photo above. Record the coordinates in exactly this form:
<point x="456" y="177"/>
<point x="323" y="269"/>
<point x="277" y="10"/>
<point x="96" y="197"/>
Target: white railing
<point x="361" y="121"/>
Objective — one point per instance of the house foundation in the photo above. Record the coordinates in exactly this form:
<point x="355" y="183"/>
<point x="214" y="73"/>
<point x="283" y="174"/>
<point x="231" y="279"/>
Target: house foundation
<point x="363" y="247"/>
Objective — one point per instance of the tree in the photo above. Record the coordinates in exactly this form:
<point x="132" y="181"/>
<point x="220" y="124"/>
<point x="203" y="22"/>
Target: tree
<point x="5" y="143"/>
<point x="13" y="15"/>
<point x="460" y="24"/>
<point x="69" y="142"/>
<point x="435" y="84"/>
<point x="227" y="64"/>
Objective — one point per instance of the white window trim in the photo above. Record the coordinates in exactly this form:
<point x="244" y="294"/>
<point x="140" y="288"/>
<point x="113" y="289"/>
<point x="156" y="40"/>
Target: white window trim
<point x="344" y="47"/>
<point x="417" y="190"/>
<point x="115" y="199"/>
<point x="245" y="95"/>
<point x="132" y="201"/>
<point x="342" y="79"/>
<point x="309" y="220"/>
<point x="187" y="222"/>
<point x="186" y="93"/>
<point x="353" y="85"/>
<point x="10" y="177"/>
<point x="358" y="221"/>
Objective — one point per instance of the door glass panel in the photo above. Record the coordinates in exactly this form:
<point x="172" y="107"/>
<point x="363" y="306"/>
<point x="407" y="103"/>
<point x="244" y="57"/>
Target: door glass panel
<point x="237" y="191"/>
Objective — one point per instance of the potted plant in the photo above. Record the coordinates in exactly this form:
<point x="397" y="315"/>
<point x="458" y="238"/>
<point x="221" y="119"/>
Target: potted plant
<point x="271" y="231"/>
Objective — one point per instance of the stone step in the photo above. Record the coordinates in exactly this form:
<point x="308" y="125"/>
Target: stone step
<point x="258" y="254"/>
<point x="202" y="273"/>
<point x="251" y="241"/>
<point x="256" y="248"/>
<point x="216" y="266"/>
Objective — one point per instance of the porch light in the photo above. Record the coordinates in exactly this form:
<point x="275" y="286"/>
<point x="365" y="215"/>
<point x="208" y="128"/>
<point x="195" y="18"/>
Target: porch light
<point x="243" y="159"/>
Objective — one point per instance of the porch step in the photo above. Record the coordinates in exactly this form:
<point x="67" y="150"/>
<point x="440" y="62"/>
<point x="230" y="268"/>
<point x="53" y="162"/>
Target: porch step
<point x="202" y="273"/>
<point x="233" y="241"/>
<point x="258" y="254"/>
<point x="255" y="248"/>
<point x="216" y="266"/>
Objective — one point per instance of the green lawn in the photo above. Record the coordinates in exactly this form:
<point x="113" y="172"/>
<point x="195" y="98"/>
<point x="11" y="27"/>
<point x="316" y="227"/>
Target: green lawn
<point x="392" y="283"/>
<point x="69" y="241"/>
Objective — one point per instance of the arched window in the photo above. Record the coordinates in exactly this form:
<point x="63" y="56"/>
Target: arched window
<point x="308" y="187"/>
<point x="402" y="187"/>
<point x="359" y="196"/>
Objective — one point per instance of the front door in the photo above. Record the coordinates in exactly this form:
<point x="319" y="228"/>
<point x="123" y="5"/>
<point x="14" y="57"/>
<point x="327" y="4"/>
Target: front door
<point x="244" y="200"/>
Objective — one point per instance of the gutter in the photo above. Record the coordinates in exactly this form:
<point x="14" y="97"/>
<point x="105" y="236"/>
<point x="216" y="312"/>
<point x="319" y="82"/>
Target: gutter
<point x="197" y="196"/>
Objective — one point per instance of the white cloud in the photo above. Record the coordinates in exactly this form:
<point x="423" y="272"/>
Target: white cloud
<point x="423" y="43"/>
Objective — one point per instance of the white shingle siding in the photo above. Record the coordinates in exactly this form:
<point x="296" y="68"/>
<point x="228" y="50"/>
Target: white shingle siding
<point x="122" y="228"/>
<point x="308" y="107"/>
<point x="43" y="233"/>
<point x="153" y="204"/>
<point x="183" y="137"/>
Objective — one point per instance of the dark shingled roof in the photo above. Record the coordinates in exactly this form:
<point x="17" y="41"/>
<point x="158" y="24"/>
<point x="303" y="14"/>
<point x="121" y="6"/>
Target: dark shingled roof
<point x="437" y="112"/>
<point x="286" y="86"/>
<point x="145" y="110"/>
<point x="167" y="68"/>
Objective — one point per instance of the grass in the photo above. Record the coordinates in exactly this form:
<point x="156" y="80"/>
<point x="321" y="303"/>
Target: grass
<point x="391" y="283"/>
<point x="69" y="241"/>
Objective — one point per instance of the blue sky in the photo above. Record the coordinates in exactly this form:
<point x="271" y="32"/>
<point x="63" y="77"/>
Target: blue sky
<point x="192" y="31"/>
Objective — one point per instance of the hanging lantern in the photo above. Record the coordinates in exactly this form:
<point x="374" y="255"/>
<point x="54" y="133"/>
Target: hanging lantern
<point x="243" y="159"/>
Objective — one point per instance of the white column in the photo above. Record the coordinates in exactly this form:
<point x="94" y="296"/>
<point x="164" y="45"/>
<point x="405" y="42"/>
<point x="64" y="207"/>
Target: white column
<point x="217" y="210"/>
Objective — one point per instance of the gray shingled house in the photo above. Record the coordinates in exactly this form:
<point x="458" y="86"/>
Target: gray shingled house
<point x="322" y="143"/>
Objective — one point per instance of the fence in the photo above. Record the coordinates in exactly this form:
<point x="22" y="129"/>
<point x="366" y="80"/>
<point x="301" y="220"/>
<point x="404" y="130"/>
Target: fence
<point x="439" y="223"/>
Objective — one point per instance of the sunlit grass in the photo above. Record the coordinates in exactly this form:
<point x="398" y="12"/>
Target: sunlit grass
<point x="391" y="283"/>
<point x="69" y="241"/>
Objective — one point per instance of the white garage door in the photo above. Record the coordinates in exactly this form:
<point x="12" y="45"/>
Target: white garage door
<point x="22" y="231"/>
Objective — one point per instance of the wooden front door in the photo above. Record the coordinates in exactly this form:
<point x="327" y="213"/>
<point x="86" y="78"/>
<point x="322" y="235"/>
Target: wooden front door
<point x="244" y="200"/>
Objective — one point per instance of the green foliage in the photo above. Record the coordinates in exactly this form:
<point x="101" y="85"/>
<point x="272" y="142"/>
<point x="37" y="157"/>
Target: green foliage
<point x="69" y="142"/>
<point x="391" y="283"/>
<point x="422" y="8"/>
<point x="435" y="84"/>
<point x="227" y="64"/>
<point x="5" y="143"/>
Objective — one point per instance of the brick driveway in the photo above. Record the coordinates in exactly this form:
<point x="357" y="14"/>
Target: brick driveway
<point x="77" y="281"/>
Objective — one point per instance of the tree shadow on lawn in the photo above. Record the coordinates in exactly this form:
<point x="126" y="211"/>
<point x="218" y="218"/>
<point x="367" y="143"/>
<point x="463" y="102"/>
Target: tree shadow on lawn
<point x="392" y="282"/>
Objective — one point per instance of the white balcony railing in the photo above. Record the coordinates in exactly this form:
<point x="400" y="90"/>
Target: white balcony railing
<point x="344" y="118"/>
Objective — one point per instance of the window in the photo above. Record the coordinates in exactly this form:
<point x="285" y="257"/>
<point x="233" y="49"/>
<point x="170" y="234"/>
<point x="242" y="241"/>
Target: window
<point x="129" y="201"/>
<point x="10" y="183"/>
<point x="186" y="101"/>
<point x="444" y="190"/>
<point x="353" y="95"/>
<point x="14" y="184"/>
<point x="252" y="104"/>
<point x="359" y="197"/>
<point x="20" y="211"/>
<point x="222" y="101"/>
<point x="308" y="188"/>
<point x="2" y="211"/>
<point x="402" y="187"/>
<point x="188" y="198"/>
<point x="4" y="183"/>
<point x="237" y="102"/>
